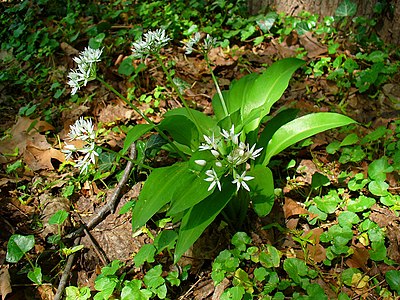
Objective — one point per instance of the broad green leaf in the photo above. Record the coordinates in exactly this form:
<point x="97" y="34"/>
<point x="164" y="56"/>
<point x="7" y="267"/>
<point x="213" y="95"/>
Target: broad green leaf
<point x="182" y="130"/>
<point x="328" y="203"/>
<point x="266" y="90"/>
<point x="393" y="280"/>
<point x="253" y="95"/>
<point x="157" y="191"/>
<point x="378" y="251"/>
<point x="134" y="134"/>
<point x="58" y="218"/>
<point x="17" y="246"/>
<point x="190" y="190"/>
<point x="240" y="240"/>
<point x="146" y="253"/>
<point x="346" y="8"/>
<point x="302" y="128"/>
<point x="177" y="184"/>
<point x="261" y="190"/>
<point x="340" y="235"/>
<point x="272" y="126"/>
<point x="207" y="124"/>
<point x="132" y="291"/>
<point x="271" y="257"/>
<point x="319" y="180"/>
<point x="126" y="67"/>
<point x="351" y="139"/>
<point x="196" y="219"/>
<point x="234" y="97"/>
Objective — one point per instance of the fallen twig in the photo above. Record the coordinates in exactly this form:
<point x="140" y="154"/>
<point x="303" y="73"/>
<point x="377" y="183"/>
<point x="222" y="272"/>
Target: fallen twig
<point x="111" y="203"/>
<point x="109" y="207"/>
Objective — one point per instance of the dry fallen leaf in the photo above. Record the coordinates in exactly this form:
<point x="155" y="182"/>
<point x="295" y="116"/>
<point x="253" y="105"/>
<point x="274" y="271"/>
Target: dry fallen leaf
<point x="292" y="208"/>
<point x="5" y="282"/>
<point x="33" y="146"/>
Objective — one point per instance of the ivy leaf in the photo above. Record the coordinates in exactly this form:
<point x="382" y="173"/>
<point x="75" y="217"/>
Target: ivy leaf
<point x="347" y="8"/>
<point x="146" y="253"/>
<point x="296" y="269"/>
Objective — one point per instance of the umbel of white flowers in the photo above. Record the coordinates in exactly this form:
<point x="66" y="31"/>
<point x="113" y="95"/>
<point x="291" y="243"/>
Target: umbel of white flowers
<point x="82" y="130"/>
<point x="208" y="43"/>
<point x="86" y="71"/>
<point x="230" y="154"/>
<point x="150" y="43"/>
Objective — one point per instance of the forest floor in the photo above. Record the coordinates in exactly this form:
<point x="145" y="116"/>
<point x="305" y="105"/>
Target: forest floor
<point x="33" y="192"/>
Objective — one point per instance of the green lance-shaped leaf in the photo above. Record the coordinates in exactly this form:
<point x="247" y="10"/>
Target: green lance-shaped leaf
<point x="261" y="189"/>
<point x="176" y="183"/>
<point x="267" y="89"/>
<point x="134" y="134"/>
<point x="197" y="218"/>
<point x="253" y="95"/>
<point x="18" y="245"/>
<point x="302" y="128"/>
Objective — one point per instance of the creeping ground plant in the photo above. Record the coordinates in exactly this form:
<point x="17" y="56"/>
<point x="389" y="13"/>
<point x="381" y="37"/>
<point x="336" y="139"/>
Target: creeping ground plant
<point x="223" y="159"/>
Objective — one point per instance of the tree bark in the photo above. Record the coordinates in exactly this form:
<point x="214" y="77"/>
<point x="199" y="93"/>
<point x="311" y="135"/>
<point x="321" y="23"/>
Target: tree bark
<point x="389" y="29"/>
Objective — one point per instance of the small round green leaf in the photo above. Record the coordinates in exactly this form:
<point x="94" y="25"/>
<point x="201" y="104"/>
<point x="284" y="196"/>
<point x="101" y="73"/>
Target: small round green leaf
<point x="378" y="188"/>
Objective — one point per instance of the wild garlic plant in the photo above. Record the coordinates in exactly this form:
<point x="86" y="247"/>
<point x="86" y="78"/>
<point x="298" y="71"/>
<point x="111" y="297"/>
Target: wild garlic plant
<point x="223" y="166"/>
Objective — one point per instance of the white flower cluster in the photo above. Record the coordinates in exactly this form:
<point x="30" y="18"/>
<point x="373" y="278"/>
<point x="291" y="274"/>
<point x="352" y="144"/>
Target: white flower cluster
<point x="82" y="130"/>
<point x="230" y="154"/>
<point x="152" y="42"/>
<point x="86" y="70"/>
<point x="208" y="43"/>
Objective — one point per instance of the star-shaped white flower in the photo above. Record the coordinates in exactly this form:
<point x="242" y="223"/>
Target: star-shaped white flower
<point x="240" y="180"/>
<point x="213" y="178"/>
<point x="231" y="136"/>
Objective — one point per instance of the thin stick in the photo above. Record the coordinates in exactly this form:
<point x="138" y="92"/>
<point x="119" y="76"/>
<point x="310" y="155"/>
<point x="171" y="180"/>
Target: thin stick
<point x="67" y="270"/>
<point x="111" y="203"/>
<point x="100" y="216"/>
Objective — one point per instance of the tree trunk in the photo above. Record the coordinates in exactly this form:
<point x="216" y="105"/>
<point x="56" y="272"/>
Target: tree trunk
<point x="389" y="23"/>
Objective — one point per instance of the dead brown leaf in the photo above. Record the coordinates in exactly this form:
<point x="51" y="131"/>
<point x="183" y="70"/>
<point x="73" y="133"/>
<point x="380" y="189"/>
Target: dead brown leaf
<point x="5" y="282"/>
<point x="33" y="146"/>
<point x="220" y="58"/>
<point x="311" y="45"/>
<point x="292" y="208"/>
<point x="359" y="258"/>
<point x="113" y="113"/>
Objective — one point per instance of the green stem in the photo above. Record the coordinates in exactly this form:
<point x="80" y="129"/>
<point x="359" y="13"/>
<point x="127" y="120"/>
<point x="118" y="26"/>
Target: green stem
<point x="181" y="98"/>
<point x="224" y="107"/>
<point x="159" y="131"/>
